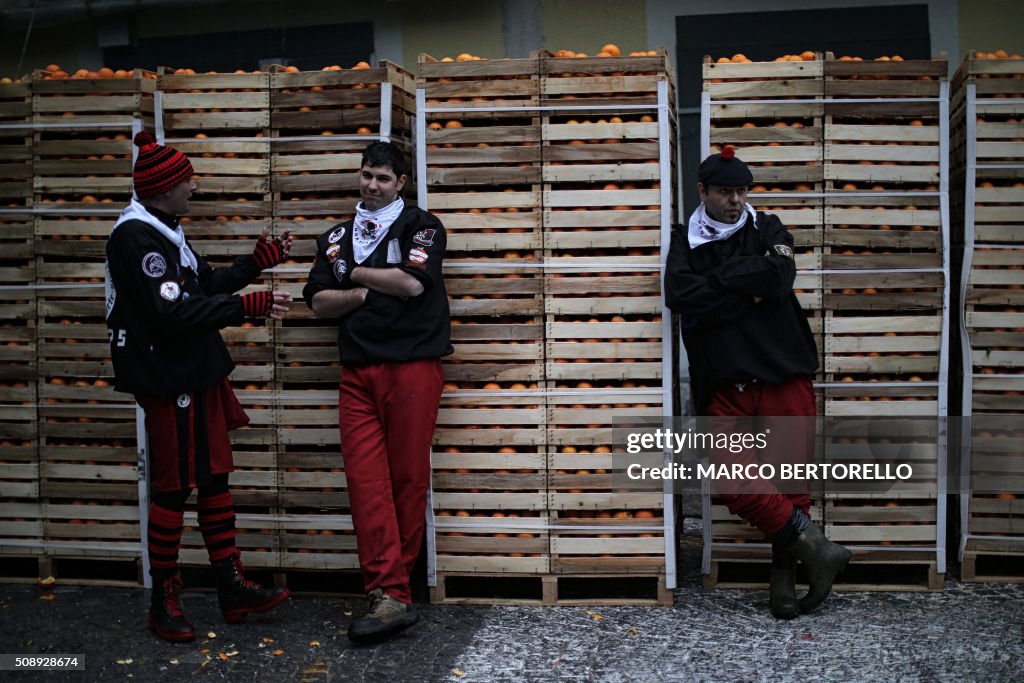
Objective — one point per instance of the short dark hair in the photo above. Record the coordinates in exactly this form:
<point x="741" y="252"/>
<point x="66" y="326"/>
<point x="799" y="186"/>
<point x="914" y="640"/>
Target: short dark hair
<point x="385" y="154"/>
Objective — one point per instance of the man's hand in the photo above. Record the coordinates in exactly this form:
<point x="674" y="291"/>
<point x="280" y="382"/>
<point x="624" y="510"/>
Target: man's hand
<point x="268" y="254"/>
<point x="266" y="304"/>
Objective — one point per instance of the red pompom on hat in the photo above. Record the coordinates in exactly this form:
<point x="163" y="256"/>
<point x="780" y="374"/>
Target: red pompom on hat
<point x="158" y="169"/>
<point x="725" y="170"/>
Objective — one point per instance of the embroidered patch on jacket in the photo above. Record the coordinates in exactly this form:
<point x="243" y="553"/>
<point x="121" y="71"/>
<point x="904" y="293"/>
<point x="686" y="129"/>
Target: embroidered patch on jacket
<point x="340" y="268"/>
<point x="394" y="252"/>
<point x="425" y="237"/>
<point x="783" y="250"/>
<point x="170" y="291"/>
<point x="154" y="265"/>
<point x="417" y="256"/>
<point x="332" y="252"/>
<point x="336" y="235"/>
<point x="184" y="400"/>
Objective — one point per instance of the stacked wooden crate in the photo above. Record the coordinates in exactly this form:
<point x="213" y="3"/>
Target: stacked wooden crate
<point x="480" y="173"/>
<point x="864" y="150"/>
<point x="222" y="122"/>
<point x="546" y="173"/>
<point x="82" y="160"/>
<point x="320" y="121"/>
<point x="21" y="530"/>
<point x="989" y="145"/>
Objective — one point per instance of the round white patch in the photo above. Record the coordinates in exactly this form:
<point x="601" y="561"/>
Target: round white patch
<point x="340" y="268"/>
<point x="336" y="235"/>
<point x="184" y="400"/>
<point x="170" y="291"/>
<point x="154" y="265"/>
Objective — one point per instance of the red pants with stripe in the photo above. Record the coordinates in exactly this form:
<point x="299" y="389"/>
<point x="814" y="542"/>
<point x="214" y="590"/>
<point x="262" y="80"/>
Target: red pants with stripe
<point x="768" y="509"/>
<point x="387" y="413"/>
<point x="188" y="436"/>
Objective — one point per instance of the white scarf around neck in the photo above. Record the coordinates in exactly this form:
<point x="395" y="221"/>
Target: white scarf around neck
<point x="135" y="211"/>
<point x="703" y="228"/>
<point x="370" y="227"/>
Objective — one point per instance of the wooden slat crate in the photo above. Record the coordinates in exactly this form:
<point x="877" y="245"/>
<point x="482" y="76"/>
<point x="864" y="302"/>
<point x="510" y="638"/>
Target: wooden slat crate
<point x="90" y="528"/>
<point x="82" y="147"/>
<point x="582" y="349"/>
<point x="785" y="154"/>
<point x="237" y="102"/>
<point x="341" y="101"/>
<point x="798" y="83"/>
<point x="879" y="344"/>
<point x="254" y="482"/>
<point x="15" y="144"/>
<point x="604" y="80"/>
<point x="882" y="399"/>
<point x="317" y="541"/>
<point x="491" y="541"/>
<point x="86" y="451"/>
<point x="311" y="474"/>
<point x="21" y="527"/>
<point x="489" y="481"/>
<point x="882" y="232"/>
<point x="497" y="325"/>
<point x="481" y="84"/>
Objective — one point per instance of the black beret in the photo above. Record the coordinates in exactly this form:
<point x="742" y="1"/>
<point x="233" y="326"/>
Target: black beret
<point x="725" y="170"/>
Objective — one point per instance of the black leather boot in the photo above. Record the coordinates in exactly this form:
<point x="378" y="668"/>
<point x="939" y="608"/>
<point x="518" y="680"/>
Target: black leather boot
<point x="782" y="587"/>
<point x="824" y="561"/>
<point x="239" y="596"/>
<point x="166" y="618"/>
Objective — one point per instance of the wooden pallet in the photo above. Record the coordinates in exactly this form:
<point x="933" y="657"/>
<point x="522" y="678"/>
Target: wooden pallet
<point x="72" y="569"/>
<point x="455" y="588"/>
<point x="993" y="560"/>
<point x="862" y="575"/>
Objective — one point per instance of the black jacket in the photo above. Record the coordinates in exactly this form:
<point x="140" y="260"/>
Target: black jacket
<point x="165" y="319"/>
<point x="729" y="337"/>
<point x="389" y="329"/>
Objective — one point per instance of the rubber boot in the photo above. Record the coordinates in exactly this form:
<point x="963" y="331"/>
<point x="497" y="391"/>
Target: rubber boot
<point x="238" y="596"/>
<point x="166" y="618"/>
<point x="824" y="561"/>
<point x="782" y="587"/>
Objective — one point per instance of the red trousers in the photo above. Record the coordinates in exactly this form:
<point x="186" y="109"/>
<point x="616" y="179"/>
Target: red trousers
<point x="767" y="508"/>
<point x="386" y="414"/>
<point x="188" y="436"/>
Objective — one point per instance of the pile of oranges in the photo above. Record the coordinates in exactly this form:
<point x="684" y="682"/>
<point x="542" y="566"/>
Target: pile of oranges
<point x="998" y="54"/>
<point x="607" y="50"/>
<point x="54" y="72"/>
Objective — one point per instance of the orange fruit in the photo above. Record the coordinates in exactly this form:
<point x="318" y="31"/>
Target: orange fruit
<point x="612" y="49"/>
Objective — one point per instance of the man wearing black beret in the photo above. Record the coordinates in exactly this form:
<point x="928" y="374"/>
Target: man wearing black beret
<point x="730" y="274"/>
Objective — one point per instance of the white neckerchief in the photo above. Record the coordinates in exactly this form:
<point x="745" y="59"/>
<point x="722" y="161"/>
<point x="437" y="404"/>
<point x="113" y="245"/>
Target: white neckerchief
<point x="370" y="227"/>
<point x="137" y="212"/>
<point x="703" y="228"/>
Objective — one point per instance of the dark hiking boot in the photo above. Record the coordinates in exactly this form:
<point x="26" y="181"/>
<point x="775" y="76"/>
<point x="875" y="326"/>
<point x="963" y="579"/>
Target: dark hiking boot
<point x="824" y="561"/>
<point x="238" y="596"/>
<point x="782" y="587"/>
<point x="384" y="618"/>
<point x="166" y="618"/>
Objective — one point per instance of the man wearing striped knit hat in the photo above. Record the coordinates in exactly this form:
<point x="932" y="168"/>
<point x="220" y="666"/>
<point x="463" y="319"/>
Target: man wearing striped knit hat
<point x="165" y="307"/>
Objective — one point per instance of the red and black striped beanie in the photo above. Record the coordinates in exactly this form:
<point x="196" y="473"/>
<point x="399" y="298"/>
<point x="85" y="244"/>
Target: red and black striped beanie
<point x="158" y="169"/>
